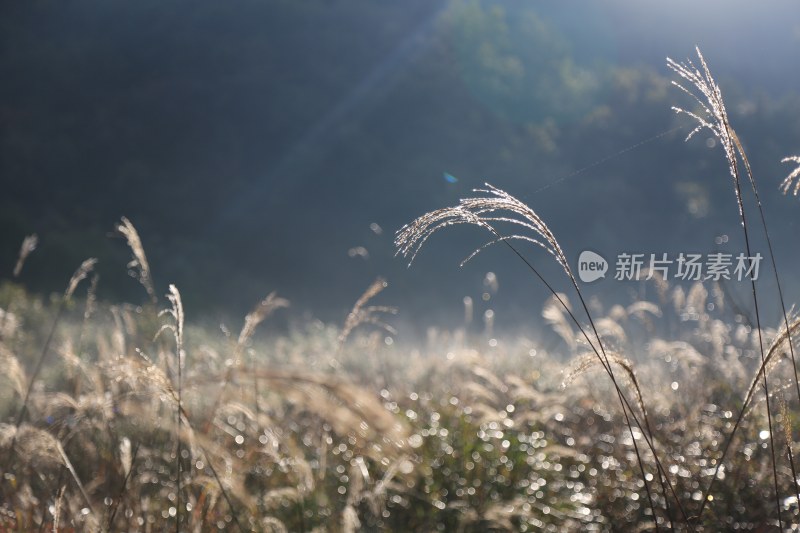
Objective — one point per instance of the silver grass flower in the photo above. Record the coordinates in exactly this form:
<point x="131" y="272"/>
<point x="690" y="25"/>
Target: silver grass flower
<point x="29" y="244"/>
<point x="497" y="207"/>
<point x="139" y="261"/>
<point x="786" y="185"/>
<point x="712" y="114"/>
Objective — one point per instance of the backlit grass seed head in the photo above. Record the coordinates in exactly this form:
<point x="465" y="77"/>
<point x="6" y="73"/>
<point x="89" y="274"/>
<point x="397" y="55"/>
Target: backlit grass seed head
<point x="497" y="207"/>
<point x="271" y="303"/>
<point x="139" y="261"/>
<point x="589" y="361"/>
<point x="712" y="114"/>
<point x="84" y="270"/>
<point x="368" y="314"/>
<point x="176" y="312"/>
<point x="29" y="244"/>
<point x="786" y="185"/>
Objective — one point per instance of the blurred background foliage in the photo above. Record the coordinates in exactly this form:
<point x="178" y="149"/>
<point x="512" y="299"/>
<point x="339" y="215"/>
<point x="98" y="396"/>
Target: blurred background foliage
<point x="255" y="143"/>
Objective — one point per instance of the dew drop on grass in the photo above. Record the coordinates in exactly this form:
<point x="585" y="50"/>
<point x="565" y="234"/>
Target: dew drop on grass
<point x="406" y="467"/>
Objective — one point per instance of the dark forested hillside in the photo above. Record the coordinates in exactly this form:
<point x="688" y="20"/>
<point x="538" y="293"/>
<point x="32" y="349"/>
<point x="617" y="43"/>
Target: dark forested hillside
<point x="261" y="139"/>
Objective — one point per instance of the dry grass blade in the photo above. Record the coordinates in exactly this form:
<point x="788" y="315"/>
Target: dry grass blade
<point x="251" y="321"/>
<point x="267" y="306"/>
<point x="176" y="311"/>
<point x="29" y="244"/>
<point x="349" y="409"/>
<point x="588" y="361"/>
<point x="786" y="423"/>
<point x="127" y="458"/>
<point x="58" y="507"/>
<point x="83" y="271"/>
<point x="777" y="349"/>
<point x="786" y="185"/>
<point x="368" y="314"/>
<point x="139" y="261"/>
<point x="554" y="315"/>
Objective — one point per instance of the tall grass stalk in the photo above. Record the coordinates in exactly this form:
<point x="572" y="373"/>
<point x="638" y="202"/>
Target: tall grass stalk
<point x="177" y="329"/>
<point x="714" y="118"/>
<point x="176" y="312"/>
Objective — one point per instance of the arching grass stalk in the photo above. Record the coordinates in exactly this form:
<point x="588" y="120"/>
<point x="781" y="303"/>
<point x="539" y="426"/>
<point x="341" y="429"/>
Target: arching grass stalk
<point x="500" y="207"/>
<point x="176" y="312"/>
<point x="604" y="360"/>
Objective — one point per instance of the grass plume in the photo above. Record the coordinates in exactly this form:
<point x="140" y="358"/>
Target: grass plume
<point x="29" y="244"/>
<point x="791" y="180"/>
<point x="138" y="266"/>
<point x="368" y="314"/>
